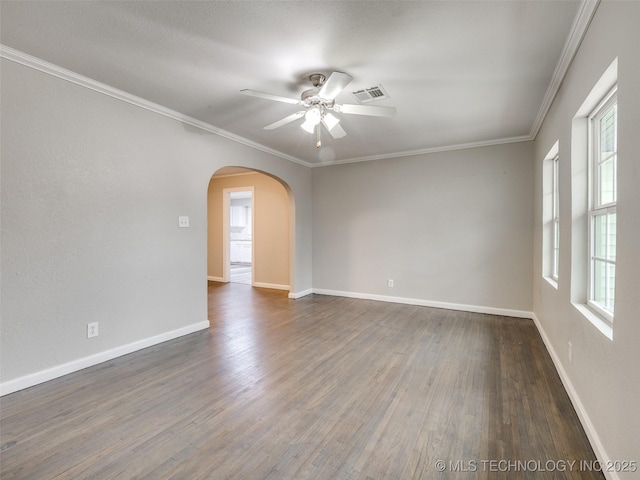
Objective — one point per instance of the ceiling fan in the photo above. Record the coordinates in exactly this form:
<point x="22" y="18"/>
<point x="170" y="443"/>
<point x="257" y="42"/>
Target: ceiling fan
<point x="319" y="102"/>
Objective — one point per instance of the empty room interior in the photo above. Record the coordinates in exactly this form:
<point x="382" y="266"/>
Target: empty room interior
<point x="319" y="240"/>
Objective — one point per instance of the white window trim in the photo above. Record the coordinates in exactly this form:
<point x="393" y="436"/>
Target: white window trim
<point x="555" y="231"/>
<point x="550" y="212"/>
<point x="595" y="208"/>
<point x="596" y="320"/>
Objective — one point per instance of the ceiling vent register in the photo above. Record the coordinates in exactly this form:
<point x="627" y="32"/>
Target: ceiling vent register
<point x="373" y="94"/>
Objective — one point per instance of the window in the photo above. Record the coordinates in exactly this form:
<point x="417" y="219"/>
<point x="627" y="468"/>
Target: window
<point x="603" y="155"/>
<point x="555" y="230"/>
<point x="593" y="193"/>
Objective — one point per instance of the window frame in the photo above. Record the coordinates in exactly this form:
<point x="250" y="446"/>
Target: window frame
<point x="595" y="207"/>
<point x="555" y="218"/>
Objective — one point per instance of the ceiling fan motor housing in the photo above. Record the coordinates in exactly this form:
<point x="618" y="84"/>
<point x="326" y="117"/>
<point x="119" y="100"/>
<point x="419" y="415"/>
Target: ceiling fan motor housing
<point x="310" y="98"/>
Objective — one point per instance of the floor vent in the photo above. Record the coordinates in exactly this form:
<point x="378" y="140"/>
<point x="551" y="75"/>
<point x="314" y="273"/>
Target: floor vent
<point x="372" y="94"/>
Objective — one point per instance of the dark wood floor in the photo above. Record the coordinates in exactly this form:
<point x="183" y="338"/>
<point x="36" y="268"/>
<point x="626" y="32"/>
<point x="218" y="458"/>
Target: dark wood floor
<point x="316" y="388"/>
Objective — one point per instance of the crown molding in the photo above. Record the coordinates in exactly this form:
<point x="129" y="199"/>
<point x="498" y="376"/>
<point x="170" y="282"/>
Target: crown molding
<point x="574" y="40"/>
<point x="447" y="148"/>
<point x="576" y="35"/>
<point x="16" y="56"/>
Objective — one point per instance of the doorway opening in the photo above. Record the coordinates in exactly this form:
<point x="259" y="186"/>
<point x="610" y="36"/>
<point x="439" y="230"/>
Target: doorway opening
<point x="240" y="235"/>
<point x="250" y="229"/>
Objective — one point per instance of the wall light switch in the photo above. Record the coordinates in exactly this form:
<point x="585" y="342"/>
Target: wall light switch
<point x="183" y="221"/>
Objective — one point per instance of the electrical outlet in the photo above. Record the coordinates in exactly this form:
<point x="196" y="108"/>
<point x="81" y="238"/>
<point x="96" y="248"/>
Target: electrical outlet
<point x="570" y="352"/>
<point x="390" y="283"/>
<point x="183" y="221"/>
<point x="92" y="330"/>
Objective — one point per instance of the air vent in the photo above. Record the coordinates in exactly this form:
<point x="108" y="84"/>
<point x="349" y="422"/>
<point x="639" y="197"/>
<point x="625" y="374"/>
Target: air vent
<point x="372" y="94"/>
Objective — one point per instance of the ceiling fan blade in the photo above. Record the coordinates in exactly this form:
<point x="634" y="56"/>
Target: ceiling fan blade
<point x="375" y="110"/>
<point x="268" y="96"/>
<point x="336" y="132"/>
<point x="334" y="85"/>
<point x="285" y="120"/>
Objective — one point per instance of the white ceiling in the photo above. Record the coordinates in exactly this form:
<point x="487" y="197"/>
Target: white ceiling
<point x="458" y="72"/>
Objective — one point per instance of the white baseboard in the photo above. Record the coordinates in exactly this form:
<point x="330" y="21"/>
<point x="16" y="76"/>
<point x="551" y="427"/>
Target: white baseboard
<point x="303" y="293"/>
<point x="215" y="279"/>
<point x="589" y="429"/>
<point x="75" y="365"/>
<point x="428" y="303"/>
<point x="270" y="285"/>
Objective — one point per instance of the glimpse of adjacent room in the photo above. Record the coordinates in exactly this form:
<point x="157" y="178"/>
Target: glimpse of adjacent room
<point x="240" y="232"/>
<point x="248" y="229"/>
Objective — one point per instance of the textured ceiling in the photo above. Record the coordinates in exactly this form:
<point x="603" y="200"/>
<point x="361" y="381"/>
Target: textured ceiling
<point x="458" y="72"/>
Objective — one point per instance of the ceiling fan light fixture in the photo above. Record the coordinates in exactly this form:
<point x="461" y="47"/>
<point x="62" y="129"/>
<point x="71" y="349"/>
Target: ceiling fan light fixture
<point x="312" y="118"/>
<point x="313" y="115"/>
<point x="308" y="126"/>
<point x="330" y="120"/>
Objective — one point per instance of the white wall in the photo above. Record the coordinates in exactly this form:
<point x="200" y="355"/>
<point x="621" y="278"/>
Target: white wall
<point x="603" y="378"/>
<point x="92" y="188"/>
<point x="452" y="227"/>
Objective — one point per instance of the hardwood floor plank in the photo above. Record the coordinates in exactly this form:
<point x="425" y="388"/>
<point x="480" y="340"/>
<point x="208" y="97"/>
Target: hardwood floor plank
<point x="316" y="388"/>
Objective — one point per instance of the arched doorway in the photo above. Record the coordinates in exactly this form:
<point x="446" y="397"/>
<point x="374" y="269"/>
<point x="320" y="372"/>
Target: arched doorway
<point x="271" y="230"/>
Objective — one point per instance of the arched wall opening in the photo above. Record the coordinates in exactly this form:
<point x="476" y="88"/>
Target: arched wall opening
<point x="273" y="238"/>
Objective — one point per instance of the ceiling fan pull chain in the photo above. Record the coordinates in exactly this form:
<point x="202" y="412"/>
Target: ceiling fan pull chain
<point x="318" y="143"/>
